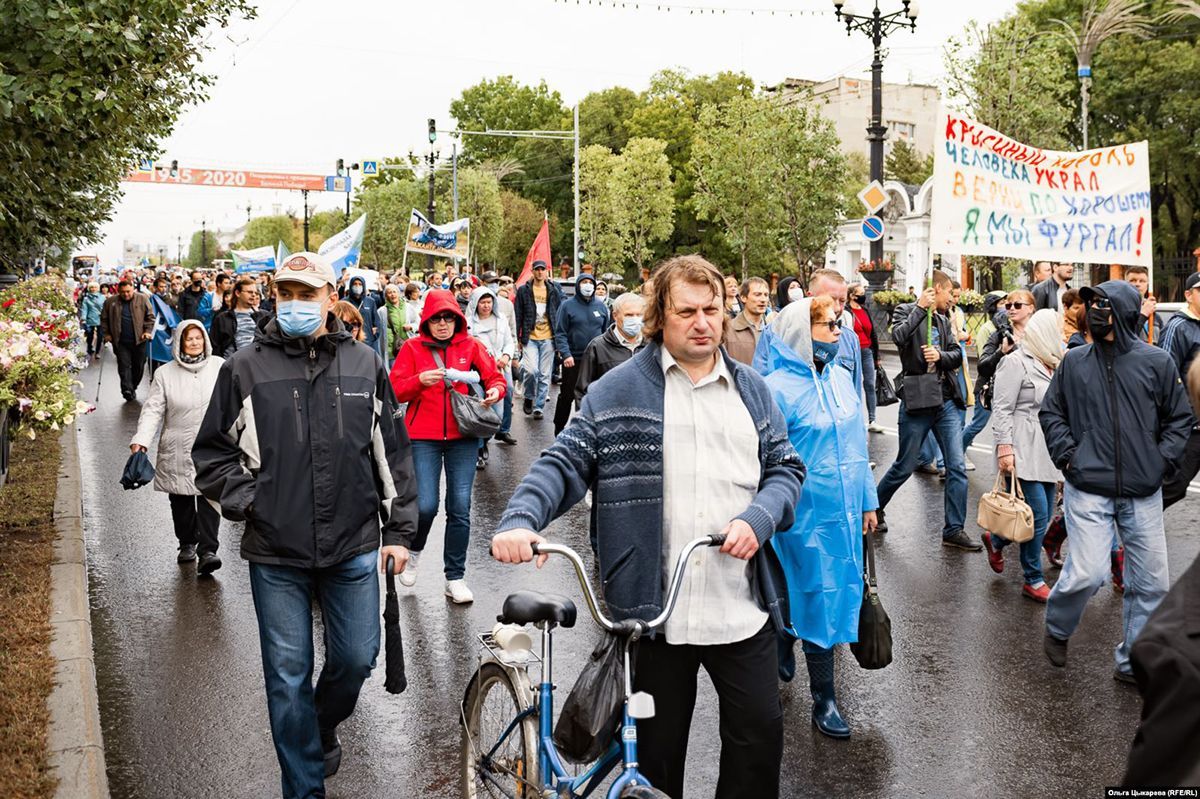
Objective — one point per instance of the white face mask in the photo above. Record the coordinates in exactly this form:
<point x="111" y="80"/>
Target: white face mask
<point x="586" y="289"/>
<point x="795" y="292"/>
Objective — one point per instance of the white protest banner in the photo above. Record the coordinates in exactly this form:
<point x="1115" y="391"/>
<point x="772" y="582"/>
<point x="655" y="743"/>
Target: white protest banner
<point x="261" y="259"/>
<point x="995" y="196"/>
<point x="343" y="248"/>
<point x="450" y="240"/>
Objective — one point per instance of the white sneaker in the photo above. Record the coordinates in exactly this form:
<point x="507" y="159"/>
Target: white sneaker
<point x="459" y="593"/>
<point x="408" y="577"/>
<point x="970" y="467"/>
<point x="874" y="427"/>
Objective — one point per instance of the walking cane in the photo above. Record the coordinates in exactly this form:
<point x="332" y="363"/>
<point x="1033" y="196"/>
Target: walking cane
<point x="100" y="374"/>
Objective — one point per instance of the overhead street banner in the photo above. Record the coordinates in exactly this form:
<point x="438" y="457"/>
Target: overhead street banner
<point x="451" y="240"/>
<point x="995" y="196"/>
<point x="226" y="178"/>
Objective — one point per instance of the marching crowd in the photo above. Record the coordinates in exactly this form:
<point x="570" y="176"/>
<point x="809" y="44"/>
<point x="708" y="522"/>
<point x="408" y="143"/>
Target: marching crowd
<point x="324" y="413"/>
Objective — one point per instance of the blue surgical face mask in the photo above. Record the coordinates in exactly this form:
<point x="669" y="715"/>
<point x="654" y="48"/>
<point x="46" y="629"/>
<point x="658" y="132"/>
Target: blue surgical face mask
<point x="631" y="325"/>
<point x="824" y="351"/>
<point x="586" y="289"/>
<point x="299" y="318"/>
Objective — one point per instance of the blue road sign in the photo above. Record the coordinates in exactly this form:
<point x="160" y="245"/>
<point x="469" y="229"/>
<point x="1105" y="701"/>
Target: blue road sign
<point x="337" y="183"/>
<point x="370" y="167"/>
<point x="145" y="164"/>
<point x="872" y="228"/>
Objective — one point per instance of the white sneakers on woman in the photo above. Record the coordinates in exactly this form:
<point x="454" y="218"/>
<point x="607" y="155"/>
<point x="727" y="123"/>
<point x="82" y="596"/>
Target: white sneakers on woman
<point x="408" y="577"/>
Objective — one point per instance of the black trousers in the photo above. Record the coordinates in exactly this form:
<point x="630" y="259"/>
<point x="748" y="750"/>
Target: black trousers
<point x="196" y="521"/>
<point x="131" y="361"/>
<point x="566" y="396"/>
<point x="745" y="675"/>
<point x="1176" y="488"/>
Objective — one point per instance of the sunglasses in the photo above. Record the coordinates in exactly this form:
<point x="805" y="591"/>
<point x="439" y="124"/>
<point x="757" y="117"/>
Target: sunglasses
<point x="354" y="325"/>
<point x="1008" y="306"/>
<point x="1101" y="303"/>
<point x="443" y="318"/>
<point x="833" y="325"/>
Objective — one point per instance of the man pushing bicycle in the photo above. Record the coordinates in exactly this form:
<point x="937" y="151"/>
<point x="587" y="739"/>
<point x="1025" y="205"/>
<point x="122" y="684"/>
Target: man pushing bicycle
<point x="679" y="442"/>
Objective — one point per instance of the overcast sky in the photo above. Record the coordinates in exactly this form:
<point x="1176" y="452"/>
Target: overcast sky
<point x="311" y="81"/>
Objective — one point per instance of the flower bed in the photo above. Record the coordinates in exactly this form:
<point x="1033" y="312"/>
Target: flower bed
<point x="41" y="348"/>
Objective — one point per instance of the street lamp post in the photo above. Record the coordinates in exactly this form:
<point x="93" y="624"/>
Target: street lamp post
<point x="877" y="26"/>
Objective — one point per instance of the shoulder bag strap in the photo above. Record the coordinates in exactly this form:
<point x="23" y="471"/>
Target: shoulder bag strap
<point x="437" y="358"/>
<point x="870" y="572"/>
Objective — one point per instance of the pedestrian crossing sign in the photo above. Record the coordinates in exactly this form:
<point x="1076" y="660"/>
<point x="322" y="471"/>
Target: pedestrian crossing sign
<point x="145" y="165"/>
<point x="370" y="167"/>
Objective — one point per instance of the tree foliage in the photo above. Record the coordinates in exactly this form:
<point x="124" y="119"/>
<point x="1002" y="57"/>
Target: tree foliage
<point x="906" y="164"/>
<point x="85" y="90"/>
<point x="644" y="175"/>
<point x="603" y="207"/>
<point x="203" y="250"/>
<point x="522" y="220"/>
<point x="268" y="231"/>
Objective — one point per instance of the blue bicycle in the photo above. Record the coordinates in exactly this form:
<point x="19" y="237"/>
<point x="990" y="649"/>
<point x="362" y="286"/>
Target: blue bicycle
<point x="507" y="744"/>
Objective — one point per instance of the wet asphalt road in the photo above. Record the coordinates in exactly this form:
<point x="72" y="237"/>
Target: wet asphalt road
<point x="969" y="707"/>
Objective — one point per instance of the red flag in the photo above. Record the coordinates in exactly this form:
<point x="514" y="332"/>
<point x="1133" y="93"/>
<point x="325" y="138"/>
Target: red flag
<point x="540" y="251"/>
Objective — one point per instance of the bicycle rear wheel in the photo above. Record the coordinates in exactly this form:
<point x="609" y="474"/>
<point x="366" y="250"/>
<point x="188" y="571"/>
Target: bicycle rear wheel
<point x="489" y="707"/>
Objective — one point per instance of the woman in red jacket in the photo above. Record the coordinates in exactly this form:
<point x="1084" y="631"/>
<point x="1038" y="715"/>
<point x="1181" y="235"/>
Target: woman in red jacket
<point x="420" y="380"/>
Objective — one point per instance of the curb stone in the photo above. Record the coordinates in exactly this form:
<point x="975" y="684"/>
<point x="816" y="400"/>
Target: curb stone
<point x="75" y="743"/>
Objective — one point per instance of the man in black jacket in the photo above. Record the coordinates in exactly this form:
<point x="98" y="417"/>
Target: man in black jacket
<point x="616" y="346"/>
<point x="936" y="353"/>
<point x="537" y="312"/>
<point x="1181" y="339"/>
<point x="234" y="328"/>
<point x="299" y="441"/>
<point x="191" y="298"/>
<point x="1047" y="293"/>
<point x="1116" y="421"/>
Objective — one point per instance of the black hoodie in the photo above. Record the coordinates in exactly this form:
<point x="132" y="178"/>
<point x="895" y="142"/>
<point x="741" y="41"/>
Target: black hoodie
<point x="1116" y="417"/>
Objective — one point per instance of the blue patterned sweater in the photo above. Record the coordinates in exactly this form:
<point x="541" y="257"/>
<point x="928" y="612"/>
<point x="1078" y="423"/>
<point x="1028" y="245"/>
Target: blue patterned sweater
<point x="614" y="446"/>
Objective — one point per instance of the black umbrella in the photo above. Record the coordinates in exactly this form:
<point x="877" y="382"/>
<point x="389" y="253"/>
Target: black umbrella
<point x="396" y="681"/>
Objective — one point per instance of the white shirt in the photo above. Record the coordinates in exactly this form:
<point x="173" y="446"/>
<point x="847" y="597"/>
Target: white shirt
<point x="710" y="475"/>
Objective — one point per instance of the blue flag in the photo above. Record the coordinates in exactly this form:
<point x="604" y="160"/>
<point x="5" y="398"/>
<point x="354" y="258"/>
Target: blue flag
<point x="165" y="322"/>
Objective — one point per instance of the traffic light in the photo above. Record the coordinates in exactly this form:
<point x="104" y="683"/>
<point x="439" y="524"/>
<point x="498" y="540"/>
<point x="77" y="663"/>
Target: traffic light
<point x="341" y="167"/>
<point x="174" y="168"/>
<point x="432" y="131"/>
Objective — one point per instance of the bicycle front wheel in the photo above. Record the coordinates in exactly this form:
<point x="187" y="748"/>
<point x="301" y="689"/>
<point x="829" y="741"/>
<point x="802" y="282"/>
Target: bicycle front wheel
<point x="499" y="758"/>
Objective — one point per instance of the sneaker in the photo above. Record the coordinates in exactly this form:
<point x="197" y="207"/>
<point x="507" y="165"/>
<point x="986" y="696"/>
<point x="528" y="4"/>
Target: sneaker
<point x="505" y="438"/>
<point x="1118" y="570"/>
<point x="187" y="553"/>
<point x="928" y="468"/>
<point x="1056" y="650"/>
<point x="1053" y="542"/>
<point x="209" y="563"/>
<point x="1038" y="593"/>
<point x="959" y="540"/>
<point x="995" y="555"/>
<point x="870" y="464"/>
<point x="881" y="527"/>
<point x="459" y="593"/>
<point x="970" y="467"/>
<point x="331" y="747"/>
<point x="874" y="427"/>
<point x="537" y="413"/>
<point x="408" y="577"/>
<point x="480" y="463"/>
<point x="1124" y="676"/>
<point x="528" y="406"/>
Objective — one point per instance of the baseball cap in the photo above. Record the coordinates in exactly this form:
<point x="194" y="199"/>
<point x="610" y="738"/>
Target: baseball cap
<point x="1192" y="282"/>
<point x="308" y="268"/>
<point x="491" y="277"/>
<point x="540" y="265"/>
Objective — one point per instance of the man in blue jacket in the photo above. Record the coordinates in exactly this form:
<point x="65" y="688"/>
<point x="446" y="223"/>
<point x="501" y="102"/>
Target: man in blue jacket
<point x="580" y="319"/>
<point x="1181" y="339"/>
<point x="358" y="296"/>
<point x="1116" y="420"/>
<point x="679" y="442"/>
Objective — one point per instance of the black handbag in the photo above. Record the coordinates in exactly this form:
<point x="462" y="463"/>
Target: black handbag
<point x="873" y="650"/>
<point x="474" y="419"/>
<point x="593" y="710"/>
<point x="885" y="392"/>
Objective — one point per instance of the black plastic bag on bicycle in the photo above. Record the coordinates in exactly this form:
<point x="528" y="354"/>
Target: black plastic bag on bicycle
<point x="593" y="712"/>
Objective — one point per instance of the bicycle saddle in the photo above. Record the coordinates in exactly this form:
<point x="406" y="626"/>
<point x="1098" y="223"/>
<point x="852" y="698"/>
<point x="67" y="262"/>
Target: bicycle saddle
<point x="526" y="607"/>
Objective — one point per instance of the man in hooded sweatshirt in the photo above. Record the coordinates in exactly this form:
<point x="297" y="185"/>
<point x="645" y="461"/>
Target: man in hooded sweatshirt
<point x="360" y="298"/>
<point x="580" y="319"/>
<point x="1116" y="420"/>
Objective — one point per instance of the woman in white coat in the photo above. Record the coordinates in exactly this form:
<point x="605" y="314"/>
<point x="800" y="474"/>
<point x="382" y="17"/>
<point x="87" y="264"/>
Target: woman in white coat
<point x="179" y="396"/>
<point x="493" y="330"/>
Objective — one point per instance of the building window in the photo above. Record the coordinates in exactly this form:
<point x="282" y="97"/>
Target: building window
<point x="903" y="130"/>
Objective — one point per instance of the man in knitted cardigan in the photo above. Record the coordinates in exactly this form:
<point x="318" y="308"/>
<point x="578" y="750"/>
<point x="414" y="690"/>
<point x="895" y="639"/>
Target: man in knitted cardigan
<point x="679" y="442"/>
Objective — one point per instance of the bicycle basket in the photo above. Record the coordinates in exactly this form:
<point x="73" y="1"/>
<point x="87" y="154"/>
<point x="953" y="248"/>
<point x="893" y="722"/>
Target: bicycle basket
<point x="592" y="713"/>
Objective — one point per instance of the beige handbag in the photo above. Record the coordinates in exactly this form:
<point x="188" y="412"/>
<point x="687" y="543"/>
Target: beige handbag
<point x="1005" y="513"/>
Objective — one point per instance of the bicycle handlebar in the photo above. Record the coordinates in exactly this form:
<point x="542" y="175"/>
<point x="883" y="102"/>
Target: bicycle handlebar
<point x="715" y="540"/>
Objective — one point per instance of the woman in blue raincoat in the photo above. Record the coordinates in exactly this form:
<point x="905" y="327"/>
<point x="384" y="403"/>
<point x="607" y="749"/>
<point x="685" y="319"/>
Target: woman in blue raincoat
<point x="822" y="554"/>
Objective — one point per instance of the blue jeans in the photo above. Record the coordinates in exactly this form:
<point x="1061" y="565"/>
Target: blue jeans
<point x="459" y="459"/>
<point x="946" y="424"/>
<point x="868" y="373"/>
<point x="1092" y="520"/>
<point x="979" y="420"/>
<point x="1040" y="498"/>
<point x="349" y="598"/>
<point x="931" y="452"/>
<point x="506" y="413"/>
<point x="538" y="359"/>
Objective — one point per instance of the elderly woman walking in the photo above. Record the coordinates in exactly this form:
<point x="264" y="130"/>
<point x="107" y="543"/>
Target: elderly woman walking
<point x="1020" y="383"/>
<point x="179" y="395"/>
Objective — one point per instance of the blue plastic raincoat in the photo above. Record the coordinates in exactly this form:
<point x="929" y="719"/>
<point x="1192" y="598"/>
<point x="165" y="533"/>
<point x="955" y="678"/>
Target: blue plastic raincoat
<point x="822" y="553"/>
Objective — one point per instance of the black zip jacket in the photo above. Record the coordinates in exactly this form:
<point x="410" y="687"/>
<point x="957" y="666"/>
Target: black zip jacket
<point x="1116" y="417"/>
<point x="908" y="332"/>
<point x="300" y="441"/>
<point x="1181" y="339"/>
<point x="989" y="359"/>
<point x="188" y="305"/>
<point x="605" y="353"/>
<point x="224" y="328"/>
<point x="526" y="309"/>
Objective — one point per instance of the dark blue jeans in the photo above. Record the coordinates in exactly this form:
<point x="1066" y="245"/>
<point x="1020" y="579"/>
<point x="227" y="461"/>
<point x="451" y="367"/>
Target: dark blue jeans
<point x="458" y="457"/>
<point x="1040" y="498"/>
<point x="349" y="598"/>
<point x="946" y="424"/>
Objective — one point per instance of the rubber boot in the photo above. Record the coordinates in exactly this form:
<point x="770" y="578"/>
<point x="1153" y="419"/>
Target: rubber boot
<point x="786" y="647"/>
<point x="825" y="714"/>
